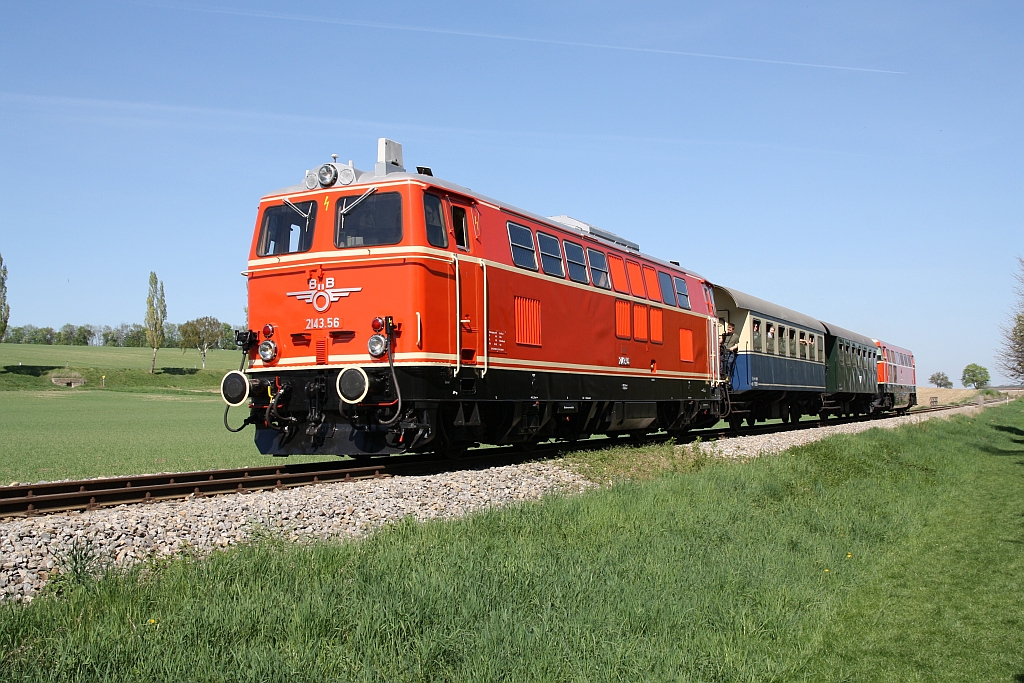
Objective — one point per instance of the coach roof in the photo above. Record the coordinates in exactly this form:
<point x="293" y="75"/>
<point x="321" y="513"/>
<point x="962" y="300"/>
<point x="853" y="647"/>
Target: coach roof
<point x="836" y="331"/>
<point x="770" y="310"/>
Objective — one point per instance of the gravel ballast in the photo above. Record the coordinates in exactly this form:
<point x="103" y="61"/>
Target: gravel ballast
<point x="32" y="548"/>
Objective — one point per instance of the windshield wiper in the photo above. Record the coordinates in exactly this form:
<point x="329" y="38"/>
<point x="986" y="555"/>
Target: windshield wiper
<point x="296" y="209"/>
<point x="347" y="209"/>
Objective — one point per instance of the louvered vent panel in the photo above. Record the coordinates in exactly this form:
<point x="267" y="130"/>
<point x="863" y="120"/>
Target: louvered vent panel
<point x="686" y="345"/>
<point x="321" y="352"/>
<point x="527" y="321"/>
<point x="639" y="322"/>
<point x="657" y="335"/>
<point x="622" y="323"/>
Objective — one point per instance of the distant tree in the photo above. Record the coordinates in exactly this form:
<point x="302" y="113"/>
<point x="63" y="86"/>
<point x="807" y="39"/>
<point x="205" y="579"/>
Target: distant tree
<point x="65" y="335"/>
<point x="39" y="335"/>
<point x="14" y="335"/>
<point x="201" y="333"/>
<point x="1010" y="358"/>
<point x="134" y="335"/>
<point x="975" y="376"/>
<point x="227" y="337"/>
<point x="171" y="336"/>
<point x="941" y="380"/>
<point x="156" y="314"/>
<point x="83" y="335"/>
<point x="5" y="309"/>
<point x="109" y="336"/>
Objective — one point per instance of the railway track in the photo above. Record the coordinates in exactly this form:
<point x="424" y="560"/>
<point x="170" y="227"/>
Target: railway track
<point x="89" y="494"/>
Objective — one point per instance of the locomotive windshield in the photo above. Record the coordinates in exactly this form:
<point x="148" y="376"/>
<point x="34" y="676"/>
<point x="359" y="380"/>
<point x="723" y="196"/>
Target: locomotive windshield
<point x="377" y="219"/>
<point x="287" y="228"/>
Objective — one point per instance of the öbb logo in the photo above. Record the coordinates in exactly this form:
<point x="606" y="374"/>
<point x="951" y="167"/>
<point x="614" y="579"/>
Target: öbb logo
<point x="323" y="295"/>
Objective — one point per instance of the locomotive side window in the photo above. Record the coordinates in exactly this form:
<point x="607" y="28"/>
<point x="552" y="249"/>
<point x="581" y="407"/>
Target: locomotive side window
<point x="577" y="263"/>
<point x="521" y="239"/>
<point x="684" y="298"/>
<point x="618" y="273"/>
<point x="433" y="214"/>
<point x="665" y="280"/>
<point x="599" y="269"/>
<point x="460" y="226"/>
<point x="550" y="255"/>
<point x="368" y="220"/>
<point x="285" y="230"/>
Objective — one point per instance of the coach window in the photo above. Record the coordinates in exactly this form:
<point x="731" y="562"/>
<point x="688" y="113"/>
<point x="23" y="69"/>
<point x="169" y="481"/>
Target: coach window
<point x="782" y="340"/>
<point x="821" y="348"/>
<point x="461" y="227"/>
<point x="803" y="345"/>
<point x="792" y="343"/>
<point x="550" y="255"/>
<point x="599" y="269"/>
<point x="667" y="293"/>
<point x="287" y="229"/>
<point x="521" y="239"/>
<point x="368" y="220"/>
<point x="433" y="215"/>
<point x="684" y="298"/>
<point x="576" y="263"/>
<point x="769" y="334"/>
<point x="755" y="333"/>
<point x="810" y="346"/>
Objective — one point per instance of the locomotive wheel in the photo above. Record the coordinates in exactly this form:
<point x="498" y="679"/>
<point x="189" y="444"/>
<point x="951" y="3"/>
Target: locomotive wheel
<point x="794" y="414"/>
<point x="751" y="421"/>
<point x="734" y="422"/>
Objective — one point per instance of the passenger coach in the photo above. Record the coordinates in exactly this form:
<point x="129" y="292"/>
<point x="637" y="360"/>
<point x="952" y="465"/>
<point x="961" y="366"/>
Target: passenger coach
<point x="394" y="311"/>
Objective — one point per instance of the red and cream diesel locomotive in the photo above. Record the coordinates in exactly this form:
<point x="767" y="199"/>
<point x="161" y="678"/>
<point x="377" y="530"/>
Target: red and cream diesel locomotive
<point x="396" y="312"/>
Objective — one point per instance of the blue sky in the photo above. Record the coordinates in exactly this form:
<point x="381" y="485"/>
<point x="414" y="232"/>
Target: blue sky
<point x="859" y="162"/>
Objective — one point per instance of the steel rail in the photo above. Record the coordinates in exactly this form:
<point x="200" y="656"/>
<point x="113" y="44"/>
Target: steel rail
<point x="89" y="494"/>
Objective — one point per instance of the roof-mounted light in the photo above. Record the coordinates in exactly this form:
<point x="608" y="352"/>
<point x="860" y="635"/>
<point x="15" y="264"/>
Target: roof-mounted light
<point x="327" y="175"/>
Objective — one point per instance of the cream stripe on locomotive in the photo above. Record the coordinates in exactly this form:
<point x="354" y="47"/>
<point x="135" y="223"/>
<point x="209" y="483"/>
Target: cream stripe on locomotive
<point x="387" y="253"/>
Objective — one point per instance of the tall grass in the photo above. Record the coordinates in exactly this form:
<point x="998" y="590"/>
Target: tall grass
<point x="792" y="567"/>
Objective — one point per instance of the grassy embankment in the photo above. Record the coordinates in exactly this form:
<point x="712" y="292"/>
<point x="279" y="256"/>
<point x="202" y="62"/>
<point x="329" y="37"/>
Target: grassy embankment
<point x="171" y="421"/>
<point x="890" y="555"/>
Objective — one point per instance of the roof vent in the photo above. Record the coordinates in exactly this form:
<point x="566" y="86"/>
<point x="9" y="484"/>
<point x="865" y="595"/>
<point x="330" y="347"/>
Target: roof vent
<point x="595" y="231"/>
<point x="389" y="157"/>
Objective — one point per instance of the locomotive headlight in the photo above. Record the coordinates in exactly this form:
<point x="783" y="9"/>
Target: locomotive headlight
<point x="377" y="345"/>
<point x="327" y="175"/>
<point x="268" y="351"/>
<point x="347" y="176"/>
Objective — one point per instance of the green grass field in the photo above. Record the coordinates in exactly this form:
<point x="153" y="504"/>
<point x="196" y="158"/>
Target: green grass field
<point x="74" y="434"/>
<point x="889" y="555"/>
<point x="113" y="357"/>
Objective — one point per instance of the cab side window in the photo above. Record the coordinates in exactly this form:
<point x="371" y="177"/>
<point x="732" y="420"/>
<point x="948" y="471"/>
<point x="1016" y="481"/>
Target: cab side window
<point x="433" y="216"/>
<point x="461" y="227"/>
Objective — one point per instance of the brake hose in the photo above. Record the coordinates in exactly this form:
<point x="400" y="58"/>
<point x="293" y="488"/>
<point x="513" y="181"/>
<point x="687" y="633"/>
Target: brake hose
<point x="394" y="380"/>
<point x="227" y="408"/>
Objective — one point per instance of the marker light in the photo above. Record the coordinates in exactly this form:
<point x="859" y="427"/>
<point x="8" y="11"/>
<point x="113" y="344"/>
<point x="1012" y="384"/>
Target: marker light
<point x="268" y="330"/>
<point x="268" y="351"/>
<point x="377" y="324"/>
<point x="377" y="345"/>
